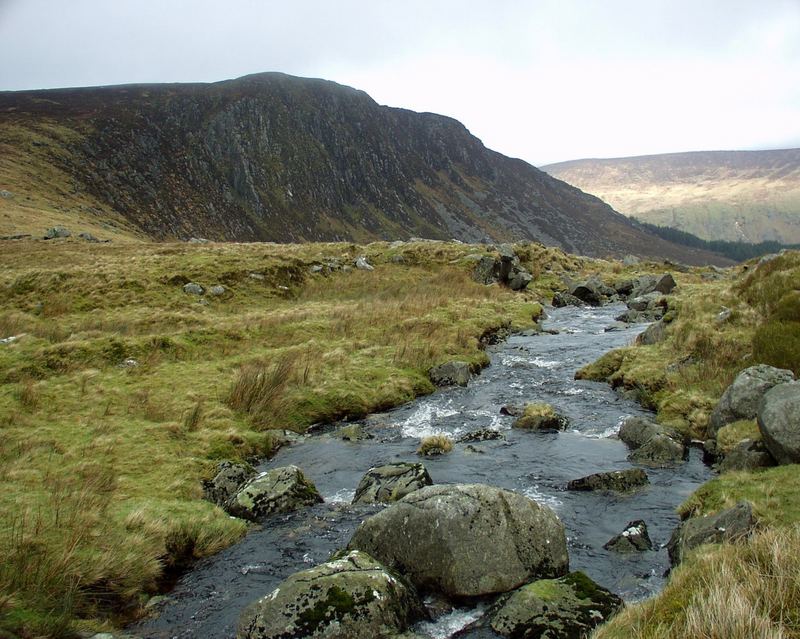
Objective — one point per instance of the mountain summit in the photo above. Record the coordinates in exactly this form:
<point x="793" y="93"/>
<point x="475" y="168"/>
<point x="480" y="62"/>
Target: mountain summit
<point x="278" y="158"/>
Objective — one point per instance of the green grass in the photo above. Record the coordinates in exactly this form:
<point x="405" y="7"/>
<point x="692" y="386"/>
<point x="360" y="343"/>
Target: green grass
<point x="101" y="461"/>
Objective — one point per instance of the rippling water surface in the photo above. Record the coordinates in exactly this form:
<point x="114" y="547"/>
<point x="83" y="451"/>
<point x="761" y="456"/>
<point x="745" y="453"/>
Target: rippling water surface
<point x="207" y="602"/>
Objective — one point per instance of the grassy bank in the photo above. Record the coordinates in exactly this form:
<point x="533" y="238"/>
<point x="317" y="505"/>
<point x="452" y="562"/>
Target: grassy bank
<point x="718" y="328"/>
<point x="122" y="392"/>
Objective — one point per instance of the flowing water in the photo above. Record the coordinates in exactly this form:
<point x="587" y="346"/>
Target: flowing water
<point x="206" y="602"/>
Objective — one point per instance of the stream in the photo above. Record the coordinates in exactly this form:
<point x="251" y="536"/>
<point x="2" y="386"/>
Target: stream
<point x="207" y="601"/>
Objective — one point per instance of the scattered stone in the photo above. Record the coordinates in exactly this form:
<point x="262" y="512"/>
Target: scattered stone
<point x="450" y="373"/>
<point x="589" y="292"/>
<point x="6" y="195"/>
<point x="665" y="284"/>
<point x="630" y="260"/>
<point x="316" y="268"/>
<point x="256" y="276"/>
<point x="565" y="608"/>
<point x="353" y="433"/>
<point x="57" y="232"/>
<point x="653" y="334"/>
<point x="562" y="299"/>
<point x="637" y="431"/>
<point x="193" y="288"/>
<point x="129" y="363"/>
<point x="616" y="480"/>
<point x="217" y="290"/>
<point x="469" y="448"/>
<point x="633" y="539"/>
<point x="724" y="315"/>
<point x="230" y="477"/>
<point x="87" y="237"/>
<point x="779" y="422"/>
<point x="391" y="483"/>
<point x="726" y="526"/>
<point x="197" y="240"/>
<point x="646" y="302"/>
<point x="486" y="271"/>
<point x="616" y="326"/>
<point x="659" y="451"/>
<point x="17" y="236"/>
<point x="519" y="279"/>
<point x="466" y="540"/>
<point x="12" y="338"/>
<point x="741" y="399"/>
<point x="362" y="264"/>
<point x="540" y="416"/>
<point x="748" y="455"/>
<point x="482" y="435"/>
<point x="624" y="287"/>
<point x="279" y="490"/>
<point x="630" y="316"/>
<point x="353" y="597"/>
<point x="398" y="259"/>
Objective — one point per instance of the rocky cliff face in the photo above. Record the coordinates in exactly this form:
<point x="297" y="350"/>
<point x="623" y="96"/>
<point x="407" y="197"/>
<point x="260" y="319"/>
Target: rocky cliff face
<point x="273" y="157"/>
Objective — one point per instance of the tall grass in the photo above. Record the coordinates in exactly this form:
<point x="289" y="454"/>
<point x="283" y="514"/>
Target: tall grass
<point x="259" y="389"/>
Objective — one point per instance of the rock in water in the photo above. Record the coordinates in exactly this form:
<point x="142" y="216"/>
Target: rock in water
<point x="779" y="422"/>
<point x="728" y="525"/>
<point x="616" y="480"/>
<point x="466" y="540"/>
<point x="562" y="299"/>
<point x="540" y="416"/>
<point x="280" y="490"/>
<point x="353" y="597"/>
<point x="633" y="539"/>
<point x="391" y="482"/>
<point x="450" y="373"/>
<point x="741" y="399"/>
<point x="226" y="483"/>
<point x="659" y="451"/>
<point x="565" y="608"/>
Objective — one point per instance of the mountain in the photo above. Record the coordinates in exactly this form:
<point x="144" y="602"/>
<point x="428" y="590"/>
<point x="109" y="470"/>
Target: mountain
<point x="271" y="157"/>
<point x="750" y="196"/>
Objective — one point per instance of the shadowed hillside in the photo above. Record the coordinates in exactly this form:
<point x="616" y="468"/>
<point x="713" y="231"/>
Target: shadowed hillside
<point x="277" y="158"/>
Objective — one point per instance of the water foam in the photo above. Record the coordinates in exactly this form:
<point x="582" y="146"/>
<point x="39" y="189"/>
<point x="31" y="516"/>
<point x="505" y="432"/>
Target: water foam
<point x="536" y="493"/>
<point x="421" y="422"/>
<point x="449" y="624"/>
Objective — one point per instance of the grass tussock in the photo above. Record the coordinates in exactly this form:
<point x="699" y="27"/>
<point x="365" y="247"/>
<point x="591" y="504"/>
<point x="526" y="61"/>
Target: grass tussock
<point x="435" y="445"/>
<point x="738" y="591"/>
<point x="260" y="388"/>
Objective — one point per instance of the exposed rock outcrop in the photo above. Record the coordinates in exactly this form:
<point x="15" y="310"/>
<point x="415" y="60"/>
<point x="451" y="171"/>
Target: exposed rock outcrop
<point x="391" y="482"/>
<point x="779" y="422"/>
<point x="725" y="526"/>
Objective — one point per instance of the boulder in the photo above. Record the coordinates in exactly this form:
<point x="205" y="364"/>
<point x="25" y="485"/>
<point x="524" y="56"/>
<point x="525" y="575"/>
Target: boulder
<point x="633" y="539"/>
<point x="659" y="451"/>
<point x="630" y="316"/>
<point x="643" y="285"/>
<point x="450" y="373"/>
<point x="748" y="455"/>
<point x="508" y="262"/>
<point x="57" y="232"/>
<point x="391" y="483"/>
<point x="562" y="299"/>
<point x="615" y="480"/>
<point x="519" y="279"/>
<point x="486" y="271"/>
<point x="193" y="288"/>
<point x="624" y="287"/>
<point x="779" y="422"/>
<point x="646" y="302"/>
<point x="590" y="292"/>
<point x="362" y="265"/>
<point x="725" y="526"/>
<point x="352" y="597"/>
<point x="280" y="490"/>
<point x="465" y="540"/>
<point x="352" y="433"/>
<point x="565" y="608"/>
<point x="741" y="399"/>
<point x="653" y="334"/>
<point x="230" y="477"/>
<point x="540" y="417"/>
<point x="482" y="435"/>
<point x="665" y="284"/>
<point x="630" y="260"/>
<point x="636" y="431"/>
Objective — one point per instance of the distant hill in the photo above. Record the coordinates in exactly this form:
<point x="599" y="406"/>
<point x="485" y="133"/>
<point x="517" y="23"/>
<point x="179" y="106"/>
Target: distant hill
<point x="286" y="159"/>
<point x="751" y="196"/>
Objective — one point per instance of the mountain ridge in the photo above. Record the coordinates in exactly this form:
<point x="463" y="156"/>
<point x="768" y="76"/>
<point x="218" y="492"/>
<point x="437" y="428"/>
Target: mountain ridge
<point x="271" y="157"/>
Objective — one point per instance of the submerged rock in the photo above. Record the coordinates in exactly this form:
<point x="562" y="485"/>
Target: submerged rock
<point x="391" y="482"/>
<point x="725" y="526"/>
<point x="279" y="490"/>
<point x="633" y="539"/>
<point x="616" y="480"/>
<point x="779" y="422"/>
<point x="353" y="597"/>
<point x="466" y="540"/>
<point x="565" y="608"/>
<point x="451" y="373"/>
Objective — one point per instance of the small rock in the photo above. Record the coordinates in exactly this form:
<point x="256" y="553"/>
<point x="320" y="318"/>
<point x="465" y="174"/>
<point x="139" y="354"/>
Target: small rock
<point x="482" y="435"/>
<point x="519" y="279"/>
<point x="12" y="338"/>
<point x="515" y="410"/>
<point x="217" y="290"/>
<point x="197" y="240"/>
<point x="316" y="268"/>
<point x="659" y="451"/>
<point x="633" y="539"/>
<point x="362" y="264"/>
<point x="617" y="480"/>
<point x="653" y="334"/>
<point x="616" y="326"/>
<point x="87" y="237"/>
<point x="724" y="315"/>
<point x="469" y="448"/>
<point x="129" y="363"/>
<point x="57" y="232"/>
<point x="398" y="259"/>
<point x="352" y="433"/>
<point x="450" y="373"/>
<point x="540" y="416"/>
<point x="562" y="299"/>
<point x="256" y="276"/>
<point x="748" y="455"/>
<point x="725" y="526"/>
<point x="6" y="195"/>
<point x="193" y="288"/>
<point x="391" y="483"/>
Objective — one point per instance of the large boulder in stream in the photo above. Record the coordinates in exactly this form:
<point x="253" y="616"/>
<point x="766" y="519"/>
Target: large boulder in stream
<point x="230" y="477"/>
<point x="652" y="444"/>
<point x="779" y="422"/>
<point x="352" y="597"/>
<point x="391" y="482"/>
<point x="742" y="398"/>
<point x="725" y="526"/>
<point x="279" y="490"/>
<point x="466" y="540"/>
<point x="565" y="608"/>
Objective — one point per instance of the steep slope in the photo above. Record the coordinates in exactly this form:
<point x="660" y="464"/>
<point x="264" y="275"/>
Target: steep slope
<point x="273" y="157"/>
<point x="751" y="196"/>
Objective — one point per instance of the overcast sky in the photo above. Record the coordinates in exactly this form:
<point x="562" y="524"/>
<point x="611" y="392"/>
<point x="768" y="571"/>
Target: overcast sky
<point x="544" y="80"/>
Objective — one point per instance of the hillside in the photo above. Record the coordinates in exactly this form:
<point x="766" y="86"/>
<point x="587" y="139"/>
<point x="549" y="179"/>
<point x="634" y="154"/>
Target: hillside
<point x="750" y="196"/>
<point x="271" y="157"/>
